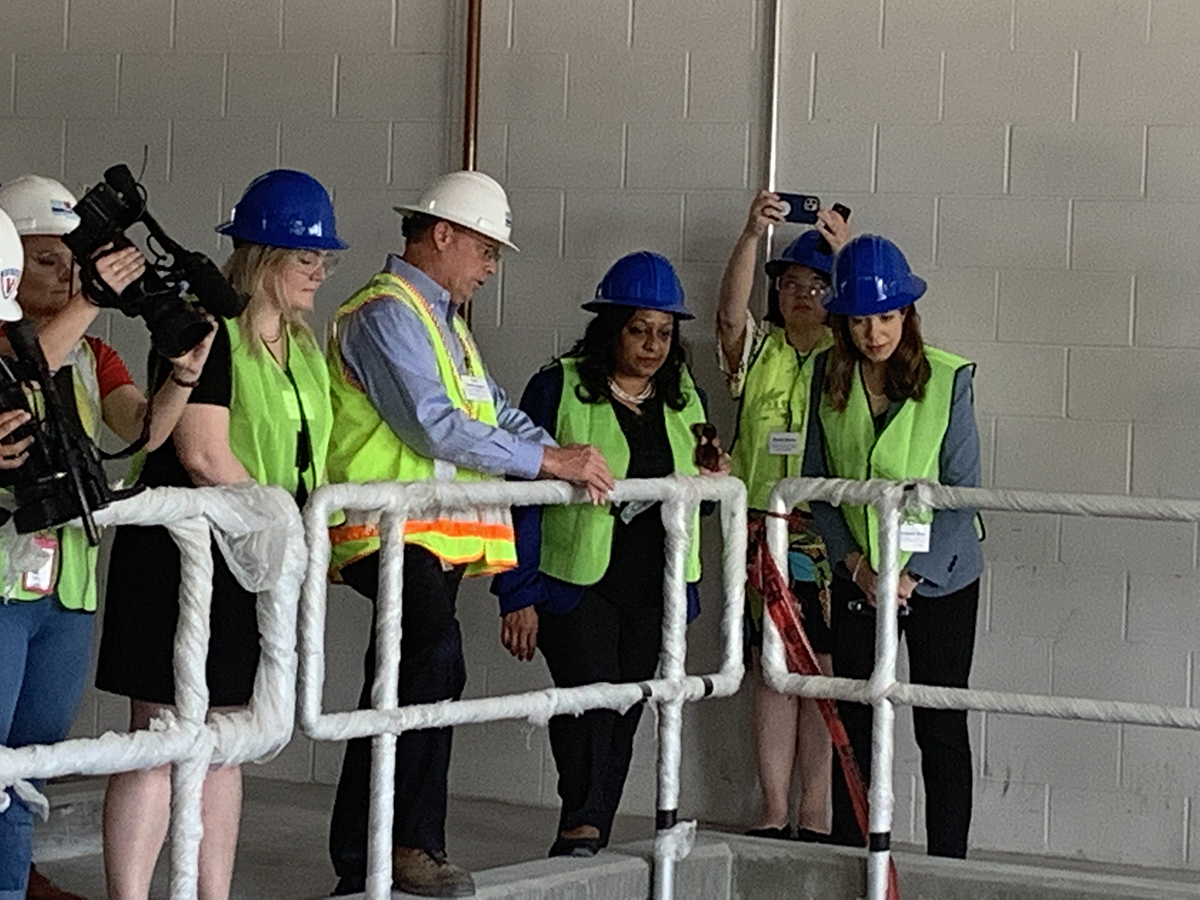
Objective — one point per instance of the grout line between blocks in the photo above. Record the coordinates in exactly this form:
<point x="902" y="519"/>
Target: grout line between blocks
<point x="1075" y="90"/>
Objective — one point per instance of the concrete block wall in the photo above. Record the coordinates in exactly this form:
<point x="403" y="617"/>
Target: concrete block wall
<point x="1034" y="158"/>
<point x="1036" y="162"/>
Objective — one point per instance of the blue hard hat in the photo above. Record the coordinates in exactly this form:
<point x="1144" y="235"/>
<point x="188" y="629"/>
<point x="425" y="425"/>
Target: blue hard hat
<point x="285" y="208"/>
<point x="643" y="279"/>
<point x="872" y="276"/>
<point x="810" y="249"/>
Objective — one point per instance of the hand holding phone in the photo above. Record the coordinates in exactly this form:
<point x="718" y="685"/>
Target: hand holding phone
<point x="800" y="208"/>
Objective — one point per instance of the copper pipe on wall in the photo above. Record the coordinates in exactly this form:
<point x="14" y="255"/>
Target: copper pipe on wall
<point x="471" y="102"/>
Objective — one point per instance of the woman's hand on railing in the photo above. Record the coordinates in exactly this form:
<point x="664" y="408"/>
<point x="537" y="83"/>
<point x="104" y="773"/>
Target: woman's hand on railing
<point x="867" y="579"/>
<point x="518" y="632"/>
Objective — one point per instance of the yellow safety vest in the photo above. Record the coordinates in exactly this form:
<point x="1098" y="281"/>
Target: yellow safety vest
<point x="577" y="539"/>
<point x="908" y="448"/>
<point x="265" y="413"/>
<point x="774" y="399"/>
<point x="364" y="448"/>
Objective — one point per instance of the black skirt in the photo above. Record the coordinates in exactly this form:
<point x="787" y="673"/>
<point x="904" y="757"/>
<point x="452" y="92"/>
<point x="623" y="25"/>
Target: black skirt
<point x="141" y="611"/>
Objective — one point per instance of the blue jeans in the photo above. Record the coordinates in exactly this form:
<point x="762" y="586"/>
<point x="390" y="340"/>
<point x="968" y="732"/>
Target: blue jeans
<point x="45" y="653"/>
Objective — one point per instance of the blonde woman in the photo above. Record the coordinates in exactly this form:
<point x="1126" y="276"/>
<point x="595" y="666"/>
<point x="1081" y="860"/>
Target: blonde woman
<point x="259" y="411"/>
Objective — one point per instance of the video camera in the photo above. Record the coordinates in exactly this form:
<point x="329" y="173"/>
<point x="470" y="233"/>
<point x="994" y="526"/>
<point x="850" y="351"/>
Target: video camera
<point x="63" y="478"/>
<point x="176" y="325"/>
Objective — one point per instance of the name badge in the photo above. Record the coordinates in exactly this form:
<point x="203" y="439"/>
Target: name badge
<point x="914" y="537"/>
<point x="784" y="443"/>
<point x="41" y="580"/>
<point x="476" y="388"/>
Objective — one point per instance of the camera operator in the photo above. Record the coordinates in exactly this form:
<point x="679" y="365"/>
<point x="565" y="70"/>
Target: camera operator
<point x="261" y="412"/>
<point x="45" y="639"/>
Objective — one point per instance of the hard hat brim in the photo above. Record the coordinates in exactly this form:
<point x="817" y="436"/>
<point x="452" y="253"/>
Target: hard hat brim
<point x="408" y="208"/>
<point x="230" y="229"/>
<point x="675" y="309"/>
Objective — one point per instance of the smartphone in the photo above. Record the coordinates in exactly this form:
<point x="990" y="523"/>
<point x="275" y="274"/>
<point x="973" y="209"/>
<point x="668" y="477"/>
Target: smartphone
<point x="800" y="208"/>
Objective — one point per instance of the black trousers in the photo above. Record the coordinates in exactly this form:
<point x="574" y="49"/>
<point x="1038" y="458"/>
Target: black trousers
<point x="431" y="669"/>
<point x="597" y="641"/>
<point x="941" y="643"/>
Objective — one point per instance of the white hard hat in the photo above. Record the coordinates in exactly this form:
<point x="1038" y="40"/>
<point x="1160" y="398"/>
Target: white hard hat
<point x="467" y="198"/>
<point x="12" y="263"/>
<point x="39" y="205"/>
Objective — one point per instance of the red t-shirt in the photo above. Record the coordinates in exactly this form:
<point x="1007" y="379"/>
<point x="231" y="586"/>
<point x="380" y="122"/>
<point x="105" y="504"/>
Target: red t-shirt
<point x="110" y="369"/>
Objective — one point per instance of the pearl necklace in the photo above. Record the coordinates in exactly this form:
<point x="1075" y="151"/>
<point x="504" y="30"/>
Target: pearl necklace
<point x="645" y="394"/>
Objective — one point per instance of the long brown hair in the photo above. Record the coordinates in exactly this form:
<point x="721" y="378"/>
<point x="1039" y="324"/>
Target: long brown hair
<point x="906" y="372"/>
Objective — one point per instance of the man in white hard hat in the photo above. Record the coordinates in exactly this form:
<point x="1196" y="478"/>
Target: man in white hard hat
<point x="412" y="401"/>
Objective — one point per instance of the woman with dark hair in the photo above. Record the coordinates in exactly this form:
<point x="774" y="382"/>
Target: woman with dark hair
<point x="587" y="589"/>
<point x="886" y="405"/>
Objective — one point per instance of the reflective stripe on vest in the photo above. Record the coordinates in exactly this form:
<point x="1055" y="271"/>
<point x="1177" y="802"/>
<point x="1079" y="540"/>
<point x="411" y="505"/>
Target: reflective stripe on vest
<point x="265" y="414"/>
<point x="364" y="448"/>
<point x="577" y="539"/>
<point x="75" y="580"/>
<point x="908" y="448"/>
<point x="774" y="399"/>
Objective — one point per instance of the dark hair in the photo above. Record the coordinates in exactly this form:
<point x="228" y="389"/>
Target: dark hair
<point x="907" y="370"/>
<point x="416" y="225"/>
<point x="774" y="316"/>
<point x="596" y="353"/>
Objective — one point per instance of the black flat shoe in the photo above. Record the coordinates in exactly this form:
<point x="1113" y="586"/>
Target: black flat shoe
<point x="808" y="836"/>
<point x="580" y="846"/>
<point x="782" y="833"/>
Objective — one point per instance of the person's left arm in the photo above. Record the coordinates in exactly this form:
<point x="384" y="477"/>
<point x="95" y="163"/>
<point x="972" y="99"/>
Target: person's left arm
<point x="958" y="467"/>
<point x="124" y="407"/>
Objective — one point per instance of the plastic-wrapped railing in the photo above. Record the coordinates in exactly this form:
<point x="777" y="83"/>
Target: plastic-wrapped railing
<point x="895" y="503"/>
<point x="260" y="527"/>
<point x="395" y="503"/>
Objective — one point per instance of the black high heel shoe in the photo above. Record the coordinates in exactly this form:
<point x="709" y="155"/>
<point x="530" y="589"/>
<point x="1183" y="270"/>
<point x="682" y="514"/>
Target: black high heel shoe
<point x="578" y="846"/>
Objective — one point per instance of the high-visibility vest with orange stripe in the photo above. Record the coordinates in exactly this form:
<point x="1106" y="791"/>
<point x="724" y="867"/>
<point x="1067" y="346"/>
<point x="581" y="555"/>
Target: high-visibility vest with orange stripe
<point x="364" y="448"/>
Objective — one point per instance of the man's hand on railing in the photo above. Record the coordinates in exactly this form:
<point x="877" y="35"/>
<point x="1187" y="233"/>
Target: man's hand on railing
<point x="518" y="632"/>
<point x="582" y="465"/>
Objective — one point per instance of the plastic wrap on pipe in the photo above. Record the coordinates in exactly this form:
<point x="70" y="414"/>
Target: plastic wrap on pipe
<point x="536" y="706"/>
<point x="257" y="732"/>
<point x="675" y="842"/>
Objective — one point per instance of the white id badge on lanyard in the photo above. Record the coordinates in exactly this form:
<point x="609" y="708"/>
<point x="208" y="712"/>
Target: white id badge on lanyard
<point x="784" y="443"/>
<point x="41" y="579"/>
<point x="476" y="388"/>
<point x="914" y="537"/>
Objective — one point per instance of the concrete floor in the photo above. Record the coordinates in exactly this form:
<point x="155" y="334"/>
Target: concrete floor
<point x="282" y="854"/>
<point x="282" y="845"/>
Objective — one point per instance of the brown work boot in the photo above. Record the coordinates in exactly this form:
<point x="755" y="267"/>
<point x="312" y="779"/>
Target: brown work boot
<point x="429" y="874"/>
<point x="42" y="888"/>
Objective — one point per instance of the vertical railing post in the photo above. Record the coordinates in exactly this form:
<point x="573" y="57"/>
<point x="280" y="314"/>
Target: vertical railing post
<point x="883" y="724"/>
<point x="677" y="519"/>
<point x="385" y="695"/>
<point x="191" y="702"/>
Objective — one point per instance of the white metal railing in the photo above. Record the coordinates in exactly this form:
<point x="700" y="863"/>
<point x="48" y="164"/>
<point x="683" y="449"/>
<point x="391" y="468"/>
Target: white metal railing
<point x="394" y="502"/>
<point x="893" y="501"/>
<point x="267" y="519"/>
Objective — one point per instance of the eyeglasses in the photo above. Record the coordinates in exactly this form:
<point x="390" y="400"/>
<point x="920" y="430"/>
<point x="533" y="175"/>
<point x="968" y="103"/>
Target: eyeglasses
<point x="488" y="250"/>
<point x="788" y="284"/>
<point x="308" y="261"/>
